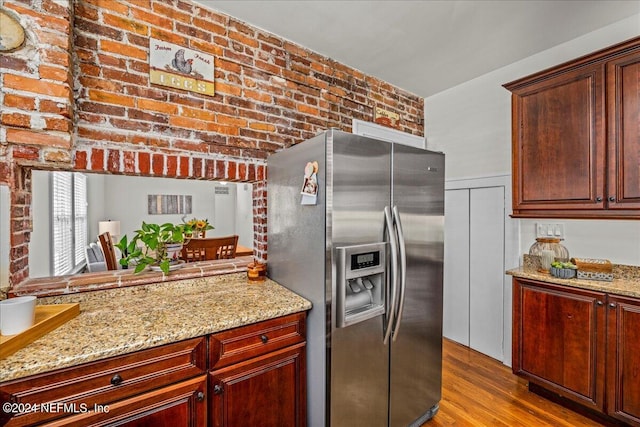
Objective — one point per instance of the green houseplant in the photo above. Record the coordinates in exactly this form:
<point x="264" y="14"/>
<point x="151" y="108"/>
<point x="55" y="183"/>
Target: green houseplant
<point x="154" y="245"/>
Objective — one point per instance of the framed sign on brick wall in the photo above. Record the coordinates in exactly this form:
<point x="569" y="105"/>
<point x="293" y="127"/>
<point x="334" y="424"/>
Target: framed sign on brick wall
<point x="181" y="68"/>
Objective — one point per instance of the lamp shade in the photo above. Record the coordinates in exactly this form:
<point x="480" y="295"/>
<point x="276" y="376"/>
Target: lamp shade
<point x="112" y="227"/>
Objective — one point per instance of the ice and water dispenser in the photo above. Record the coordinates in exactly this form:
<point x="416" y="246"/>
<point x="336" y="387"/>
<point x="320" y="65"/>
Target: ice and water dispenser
<point x="360" y="287"/>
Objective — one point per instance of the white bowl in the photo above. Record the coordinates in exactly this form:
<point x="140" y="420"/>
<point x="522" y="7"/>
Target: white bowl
<point x="17" y="314"/>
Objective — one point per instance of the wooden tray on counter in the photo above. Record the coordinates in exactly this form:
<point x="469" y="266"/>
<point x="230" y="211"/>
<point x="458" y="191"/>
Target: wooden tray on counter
<point x="48" y="317"/>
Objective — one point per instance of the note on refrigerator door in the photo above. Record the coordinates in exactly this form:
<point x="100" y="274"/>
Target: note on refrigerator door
<point x="310" y="184"/>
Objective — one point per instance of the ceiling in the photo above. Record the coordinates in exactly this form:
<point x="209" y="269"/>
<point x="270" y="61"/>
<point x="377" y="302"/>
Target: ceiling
<point x="428" y="46"/>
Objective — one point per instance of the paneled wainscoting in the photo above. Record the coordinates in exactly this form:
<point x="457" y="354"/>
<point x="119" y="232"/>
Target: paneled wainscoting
<point x="480" y="391"/>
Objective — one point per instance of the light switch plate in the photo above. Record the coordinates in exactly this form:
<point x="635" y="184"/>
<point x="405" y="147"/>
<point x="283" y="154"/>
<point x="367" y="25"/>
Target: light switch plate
<point x="550" y="230"/>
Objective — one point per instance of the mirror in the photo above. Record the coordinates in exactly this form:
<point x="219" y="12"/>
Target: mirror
<point x="227" y="206"/>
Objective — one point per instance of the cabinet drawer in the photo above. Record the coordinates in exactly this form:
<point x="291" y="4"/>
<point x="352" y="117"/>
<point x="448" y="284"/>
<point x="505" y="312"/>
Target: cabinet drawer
<point x="105" y="381"/>
<point x="249" y="341"/>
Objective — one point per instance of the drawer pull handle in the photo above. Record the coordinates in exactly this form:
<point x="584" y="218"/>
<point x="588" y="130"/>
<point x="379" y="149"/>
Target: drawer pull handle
<point x="264" y="339"/>
<point x="116" y="379"/>
<point x="200" y="396"/>
<point x="217" y="389"/>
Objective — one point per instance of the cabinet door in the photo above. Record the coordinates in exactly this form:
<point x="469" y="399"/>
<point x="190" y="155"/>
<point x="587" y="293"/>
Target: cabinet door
<point x="559" y="141"/>
<point x="623" y="92"/>
<point x="486" y="271"/>
<point x="559" y="340"/>
<point x="623" y="359"/>
<point x="266" y="391"/>
<point x="455" y="292"/>
<point x="182" y="404"/>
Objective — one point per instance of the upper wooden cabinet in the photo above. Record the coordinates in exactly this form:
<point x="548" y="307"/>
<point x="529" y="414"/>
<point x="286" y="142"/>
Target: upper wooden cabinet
<point x="576" y="139"/>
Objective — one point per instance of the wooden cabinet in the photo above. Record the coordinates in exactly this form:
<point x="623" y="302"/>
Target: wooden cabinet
<point x="559" y="340"/>
<point x="101" y="383"/>
<point x="182" y="404"/>
<point x="623" y="92"/>
<point x="575" y="139"/>
<point x="582" y="345"/>
<point x="623" y="363"/>
<point x="252" y="375"/>
<point x="259" y="374"/>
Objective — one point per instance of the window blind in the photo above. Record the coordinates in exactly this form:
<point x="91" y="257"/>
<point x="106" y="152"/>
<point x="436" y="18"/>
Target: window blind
<point x="69" y="221"/>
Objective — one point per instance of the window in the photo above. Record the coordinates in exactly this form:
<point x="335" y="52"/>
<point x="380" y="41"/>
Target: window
<point x="69" y="221"/>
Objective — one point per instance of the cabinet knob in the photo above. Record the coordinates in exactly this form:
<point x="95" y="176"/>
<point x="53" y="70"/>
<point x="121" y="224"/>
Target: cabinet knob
<point x="599" y="302"/>
<point x="200" y="396"/>
<point x="612" y="304"/>
<point x="217" y="389"/>
<point x="264" y="339"/>
<point x="598" y="199"/>
<point x="612" y="198"/>
<point x="116" y="379"/>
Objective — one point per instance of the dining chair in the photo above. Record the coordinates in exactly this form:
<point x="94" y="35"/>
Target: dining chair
<point x="109" y="251"/>
<point x="210" y="248"/>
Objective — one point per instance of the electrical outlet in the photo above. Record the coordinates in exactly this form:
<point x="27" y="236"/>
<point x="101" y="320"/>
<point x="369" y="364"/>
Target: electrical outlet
<point x="550" y="230"/>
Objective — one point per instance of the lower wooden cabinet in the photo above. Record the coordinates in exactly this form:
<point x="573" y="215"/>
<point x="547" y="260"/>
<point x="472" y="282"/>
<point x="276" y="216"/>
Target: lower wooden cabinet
<point x="623" y="363"/>
<point x="258" y="374"/>
<point x="267" y="391"/>
<point x="582" y="345"/>
<point x="253" y="375"/>
<point x="183" y="404"/>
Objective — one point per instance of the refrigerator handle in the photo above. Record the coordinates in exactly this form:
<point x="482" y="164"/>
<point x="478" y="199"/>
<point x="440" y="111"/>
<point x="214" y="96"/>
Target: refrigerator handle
<point x="393" y="285"/>
<point x="403" y="270"/>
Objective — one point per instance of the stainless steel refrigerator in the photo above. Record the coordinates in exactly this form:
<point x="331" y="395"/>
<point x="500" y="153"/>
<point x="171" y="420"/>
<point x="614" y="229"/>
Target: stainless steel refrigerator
<point x="367" y="251"/>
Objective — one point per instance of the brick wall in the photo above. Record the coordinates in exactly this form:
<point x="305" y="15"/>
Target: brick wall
<point x="77" y="96"/>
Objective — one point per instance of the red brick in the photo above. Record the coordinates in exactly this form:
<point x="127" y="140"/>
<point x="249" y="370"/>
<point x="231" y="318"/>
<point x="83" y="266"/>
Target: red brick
<point x="18" y="101"/>
<point x="28" y="84"/>
<point x="197" y="168"/>
<point x="80" y="160"/>
<point x="52" y="123"/>
<point x="158" y="164"/>
<point x="24" y="136"/>
<point x="220" y="169"/>
<point x="129" y="162"/>
<point x="13" y="63"/>
<point x="54" y="107"/>
<point x="242" y="171"/>
<point x="97" y="159"/>
<point x="172" y="166"/>
<point x="53" y="73"/>
<point x="231" y="171"/>
<point x="113" y="161"/>
<point x="125" y="24"/>
<point x="152" y="18"/>
<point x="122" y="49"/>
<point x="144" y="163"/>
<point x="209" y="168"/>
<point x="16" y="119"/>
<point x="184" y="166"/>
<point x="26" y="152"/>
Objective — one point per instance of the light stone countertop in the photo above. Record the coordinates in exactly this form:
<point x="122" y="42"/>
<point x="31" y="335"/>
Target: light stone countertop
<point x="119" y="321"/>
<point x="627" y="285"/>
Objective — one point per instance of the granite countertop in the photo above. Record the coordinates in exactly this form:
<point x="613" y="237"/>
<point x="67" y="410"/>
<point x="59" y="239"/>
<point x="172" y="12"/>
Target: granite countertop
<point x="119" y="321"/>
<point x="626" y="279"/>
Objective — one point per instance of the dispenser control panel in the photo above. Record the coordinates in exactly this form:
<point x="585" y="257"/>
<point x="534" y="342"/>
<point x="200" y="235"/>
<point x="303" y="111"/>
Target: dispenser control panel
<point x="365" y="260"/>
<point x="360" y="283"/>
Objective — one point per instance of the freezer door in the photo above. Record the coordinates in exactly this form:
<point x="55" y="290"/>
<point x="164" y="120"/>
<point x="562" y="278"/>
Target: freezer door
<point x="359" y="191"/>
<point x="416" y="353"/>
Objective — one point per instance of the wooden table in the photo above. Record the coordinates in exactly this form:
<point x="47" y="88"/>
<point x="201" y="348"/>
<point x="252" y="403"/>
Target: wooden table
<point x="243" y="251"/>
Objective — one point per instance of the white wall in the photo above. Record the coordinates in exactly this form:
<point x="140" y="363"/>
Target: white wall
<point x="471" y="123"/>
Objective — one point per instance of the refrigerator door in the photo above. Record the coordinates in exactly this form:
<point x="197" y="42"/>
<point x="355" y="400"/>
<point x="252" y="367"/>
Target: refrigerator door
<point x="360" y="189"/>
<point x="416" y="353"/>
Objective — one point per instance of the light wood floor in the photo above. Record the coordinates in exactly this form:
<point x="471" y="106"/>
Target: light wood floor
<point x="480" y="391"/>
